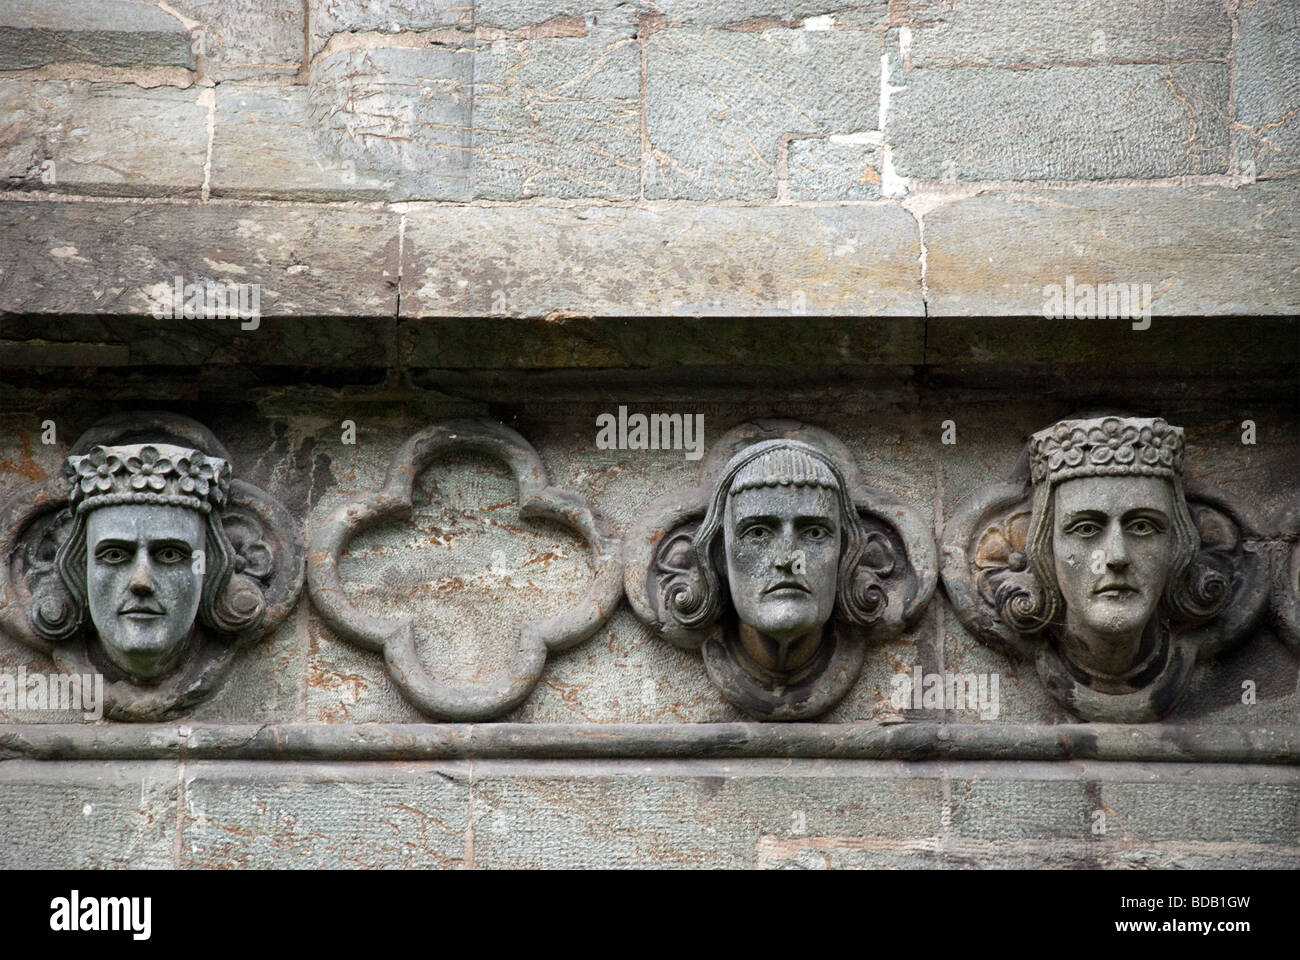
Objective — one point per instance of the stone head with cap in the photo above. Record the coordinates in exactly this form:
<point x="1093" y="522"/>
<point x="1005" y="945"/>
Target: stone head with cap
<point x="782" y="537"/>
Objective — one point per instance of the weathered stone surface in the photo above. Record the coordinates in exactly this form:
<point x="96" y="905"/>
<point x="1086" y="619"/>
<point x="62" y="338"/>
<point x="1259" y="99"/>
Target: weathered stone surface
<point x="719" y="103"/>
<point x="324" y="816"/>
<point x="261" y="149"/>
<point x="548" y="15"/>
<point x="330" y="17"/>
<point x="119" y="259"/>
<point x="247" y="38"/>
<point x="1268" y="87"/>
<point x="835" y="168"/>
<point x="623" y="262"/>
<point x="1207" y="251"/>
<point x="752" y="15"/>
<point x="1242" y="805"/>
<point x="687" y="813"/>
<point x="397" y="113"/>
<point x="87" y="816"/>
<point x="1064" y="123"/>
<point x="1054" y="803"/>
<point x="558" y="117"/>
<point x="107" y="32"/>
<point x="986" y="32"/>
<point x="758" y="14"/>
<point x="102" y="138"/>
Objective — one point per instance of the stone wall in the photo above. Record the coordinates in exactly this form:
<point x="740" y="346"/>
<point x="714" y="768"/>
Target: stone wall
<point x="536" y="212"/>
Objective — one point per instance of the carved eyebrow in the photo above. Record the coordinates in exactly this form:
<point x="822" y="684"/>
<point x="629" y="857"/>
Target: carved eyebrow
<point x="1148" y="513"/>
<point x="114" y="542"/>
<point x="1099" y="515"/>
<point x="169" y="542"/>
<point x="756" y="518"/>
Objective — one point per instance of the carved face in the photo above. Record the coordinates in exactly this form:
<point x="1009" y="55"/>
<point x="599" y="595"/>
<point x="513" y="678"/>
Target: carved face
<point x="783" y="551"/>
<point x="1113" y="548"/>
<point x="143" y="591"/>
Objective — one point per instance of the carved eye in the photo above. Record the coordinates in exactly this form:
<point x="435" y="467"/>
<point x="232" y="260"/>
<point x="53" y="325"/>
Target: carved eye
<point x="1085" y="528"/>
<point x="817" y="533"/>
<point x="171" y="555"/>
<point x="112" y="555"/>
<point x="1142" y="528"/>
<point x="757" y="533"/>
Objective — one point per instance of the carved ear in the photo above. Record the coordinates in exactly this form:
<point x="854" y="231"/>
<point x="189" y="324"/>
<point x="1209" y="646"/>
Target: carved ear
<point x="986" y="567"/>
<point x="1230" y="566"/>
<point x="896" y="572"/>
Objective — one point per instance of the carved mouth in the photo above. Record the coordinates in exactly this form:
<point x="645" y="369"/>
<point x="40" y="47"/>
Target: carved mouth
<point x="141" y="612"/>
<point x="786" y="587"/>
<point x="1115" y="591"/>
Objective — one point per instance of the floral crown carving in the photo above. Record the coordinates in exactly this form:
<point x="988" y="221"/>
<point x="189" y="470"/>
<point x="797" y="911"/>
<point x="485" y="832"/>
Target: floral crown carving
<point x="1106" y="446"/>
<point x="156" y="473"/>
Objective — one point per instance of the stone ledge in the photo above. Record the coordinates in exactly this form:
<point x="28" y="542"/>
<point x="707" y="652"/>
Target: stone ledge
<point x="100" y="259"/>
<point x="1159" y="742"/>
<point x="674" y="260"/>
<point x="1202" y="250"/>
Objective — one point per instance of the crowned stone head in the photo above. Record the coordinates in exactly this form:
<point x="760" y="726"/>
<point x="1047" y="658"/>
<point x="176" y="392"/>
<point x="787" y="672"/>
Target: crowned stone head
<point x="147" y="555"/>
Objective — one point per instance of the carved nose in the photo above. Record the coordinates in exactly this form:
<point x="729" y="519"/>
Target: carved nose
<point x="1116" y="554"/>
<point x="141" y="582"/>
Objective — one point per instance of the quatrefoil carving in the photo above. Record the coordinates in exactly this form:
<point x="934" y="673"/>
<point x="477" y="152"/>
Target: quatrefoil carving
<point x="395" y="638"/>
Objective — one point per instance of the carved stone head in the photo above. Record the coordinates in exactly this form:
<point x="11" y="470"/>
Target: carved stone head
<point x="1103" y="571"/>
<point x="783" y="579"/>
<point x="147" y="561"/>
<point x="1111" y="540"/>
<point x="147" y="555"/>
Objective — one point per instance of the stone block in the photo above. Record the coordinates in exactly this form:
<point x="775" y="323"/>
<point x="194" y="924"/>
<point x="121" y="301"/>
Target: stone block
<point x="87" y="815"/>
<point x="314" y="816"/>
<point x="720" y="102"/>
<point x="1209" y="804"/>
<point x="121" y="260"/>
<point x="115" y="33"/>
<point x="835" y="168"/>
<point x="102" y="138"/>
<point x="1102" y="122"/>
<point x="397" y="113"/>
<point x="262" y="148"/>
<point x="558" y="117"/>
<point x="240" y="39"/>
<point x="530" y="814"/>
<point x="1268" y="87"/>
<point x="986" y="32"/>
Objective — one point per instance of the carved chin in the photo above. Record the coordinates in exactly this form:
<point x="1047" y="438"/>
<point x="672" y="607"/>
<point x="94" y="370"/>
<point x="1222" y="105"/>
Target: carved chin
<point x="145" y="648"/>
<point x="1121" y="616"/>
<point x="786" y="619"/>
